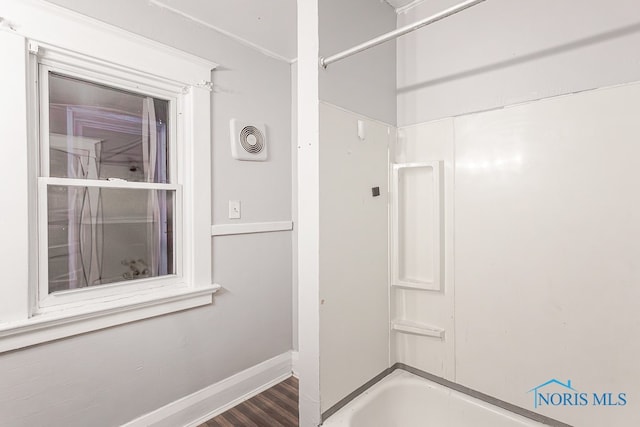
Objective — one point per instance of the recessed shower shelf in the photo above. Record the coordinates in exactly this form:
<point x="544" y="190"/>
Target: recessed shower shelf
<point x="408" y="327"/>
<point x="417" y="226"/>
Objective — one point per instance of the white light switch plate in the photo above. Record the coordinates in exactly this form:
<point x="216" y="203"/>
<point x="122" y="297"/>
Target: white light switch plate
<point x="234" y="209"/>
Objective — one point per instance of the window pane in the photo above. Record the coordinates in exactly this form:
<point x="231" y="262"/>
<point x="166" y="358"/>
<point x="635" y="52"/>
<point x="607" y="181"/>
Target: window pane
<point x="107" y="235"/>
<point x="98" y="132"/>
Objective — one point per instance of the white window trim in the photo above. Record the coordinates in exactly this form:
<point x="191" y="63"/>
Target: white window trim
<point x="36" y="28"/>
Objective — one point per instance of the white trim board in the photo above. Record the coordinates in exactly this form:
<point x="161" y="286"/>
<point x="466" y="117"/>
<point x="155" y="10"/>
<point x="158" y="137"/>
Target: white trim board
<point x="204" y="404"/>
<point x="251" y="227"/>
<point x="74" y="321"/>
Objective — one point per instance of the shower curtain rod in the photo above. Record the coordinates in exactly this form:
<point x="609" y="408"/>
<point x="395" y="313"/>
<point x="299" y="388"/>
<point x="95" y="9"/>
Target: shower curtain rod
<point x="324" y="62"/>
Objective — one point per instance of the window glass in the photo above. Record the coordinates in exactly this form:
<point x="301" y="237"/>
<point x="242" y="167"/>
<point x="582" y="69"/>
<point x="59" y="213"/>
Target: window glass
<point x="100" y="132"/>
<point x="98" y="235"/>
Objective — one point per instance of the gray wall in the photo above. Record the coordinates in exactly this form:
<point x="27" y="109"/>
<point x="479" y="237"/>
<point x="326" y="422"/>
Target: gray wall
<point x="503" y="52"/>
<point x="112" y="376"/>
<point x="363" y="83"/>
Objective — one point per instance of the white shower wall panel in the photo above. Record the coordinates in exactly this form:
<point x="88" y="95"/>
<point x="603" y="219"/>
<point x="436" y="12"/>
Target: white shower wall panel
<point x="546" y="251"/>
<point x="354" y="322"/>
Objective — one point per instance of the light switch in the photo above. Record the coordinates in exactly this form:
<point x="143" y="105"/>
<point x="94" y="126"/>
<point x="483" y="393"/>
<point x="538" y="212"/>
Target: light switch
<point x="234" y="209"/>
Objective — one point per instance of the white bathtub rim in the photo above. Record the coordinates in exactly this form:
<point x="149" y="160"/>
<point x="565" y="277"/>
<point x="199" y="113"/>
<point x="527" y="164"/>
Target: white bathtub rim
<point x="344" y="415"/>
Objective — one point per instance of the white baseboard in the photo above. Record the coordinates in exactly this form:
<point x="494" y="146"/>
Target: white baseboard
<point x="295" y="355"/>
<point x="204" y="404"/>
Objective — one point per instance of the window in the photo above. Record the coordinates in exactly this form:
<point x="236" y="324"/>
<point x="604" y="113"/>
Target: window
<point x="107" y="192"/>
<point x="107" y="162"/>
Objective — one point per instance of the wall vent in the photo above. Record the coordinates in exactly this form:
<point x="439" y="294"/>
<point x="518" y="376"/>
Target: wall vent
<point x="248" y="141"/>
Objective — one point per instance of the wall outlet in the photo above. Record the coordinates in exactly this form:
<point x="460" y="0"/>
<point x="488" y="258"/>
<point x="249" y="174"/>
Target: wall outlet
<point x="234" y="209"/>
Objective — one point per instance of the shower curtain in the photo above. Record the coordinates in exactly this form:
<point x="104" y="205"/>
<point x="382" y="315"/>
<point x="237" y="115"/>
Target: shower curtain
<point x="156" y="204"/>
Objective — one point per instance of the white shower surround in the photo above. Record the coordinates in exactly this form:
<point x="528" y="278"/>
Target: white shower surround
<point x="510" y="146"/>
<point x="523" y="176"/>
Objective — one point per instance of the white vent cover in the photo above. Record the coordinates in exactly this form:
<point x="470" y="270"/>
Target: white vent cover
<point x="248" y="141"/>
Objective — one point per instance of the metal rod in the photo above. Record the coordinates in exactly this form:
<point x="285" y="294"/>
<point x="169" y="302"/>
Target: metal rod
<point x="324" y="62"/>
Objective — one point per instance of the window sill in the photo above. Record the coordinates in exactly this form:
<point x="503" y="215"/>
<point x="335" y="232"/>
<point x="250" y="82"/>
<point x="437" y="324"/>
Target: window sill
<point x="91" y="317"/>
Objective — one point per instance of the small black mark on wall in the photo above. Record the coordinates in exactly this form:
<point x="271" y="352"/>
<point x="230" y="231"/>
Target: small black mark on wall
<point x="375" y="191"/>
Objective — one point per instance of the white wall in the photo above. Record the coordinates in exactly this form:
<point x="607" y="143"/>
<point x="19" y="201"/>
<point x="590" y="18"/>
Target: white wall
<point x="502" y="52"/>
<point x="364" y="83"/>
<point x="141" y="366"/>
<point x="16" y="160"/>
<point x="354" y="326"/>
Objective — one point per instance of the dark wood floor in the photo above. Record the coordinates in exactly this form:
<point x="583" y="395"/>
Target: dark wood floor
<point x="274" y="407"/>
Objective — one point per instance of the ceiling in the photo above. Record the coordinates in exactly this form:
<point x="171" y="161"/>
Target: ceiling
<point x="268" y="25"/>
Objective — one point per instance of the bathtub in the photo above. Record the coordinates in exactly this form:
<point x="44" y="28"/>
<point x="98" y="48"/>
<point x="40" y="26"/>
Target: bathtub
<point x="402" y="399"/>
